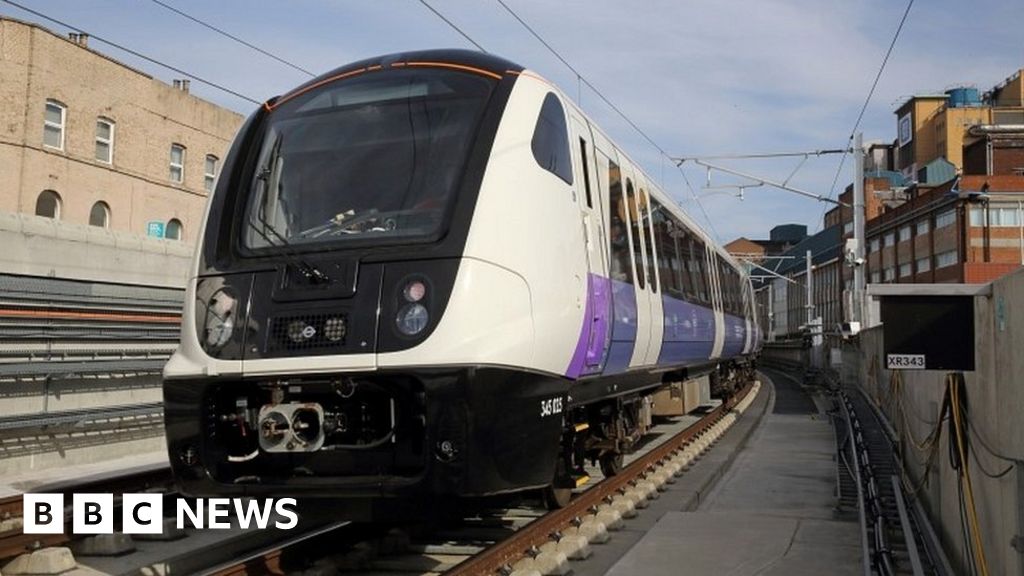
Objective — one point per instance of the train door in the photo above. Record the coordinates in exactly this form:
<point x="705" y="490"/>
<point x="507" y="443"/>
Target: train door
<point x="715" y="283"/>
<point x="598" y="308"/>
<point x="656" y="325"/>
<point x="636" y="223"/>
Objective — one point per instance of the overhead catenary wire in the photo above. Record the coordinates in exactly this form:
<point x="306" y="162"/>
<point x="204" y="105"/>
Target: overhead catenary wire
<point x="453" y="26"/>
<point x="135" y="53"/>
<point x="581" y="79"/>
<point x="232" y="37"/>
<point x="867" y="100"/>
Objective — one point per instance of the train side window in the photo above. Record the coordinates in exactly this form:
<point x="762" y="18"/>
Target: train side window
<point x="726" y="277"/>
<point x="668" y="255"/>
<point x="634" y="221"/>
<point x="645" y="221"/>
<point x="617" y="237"/>
<point x="683" y="251"/>
<point x="586" y="171"/>
<point x="700" y="268"/>
<point x="550" y="142"/>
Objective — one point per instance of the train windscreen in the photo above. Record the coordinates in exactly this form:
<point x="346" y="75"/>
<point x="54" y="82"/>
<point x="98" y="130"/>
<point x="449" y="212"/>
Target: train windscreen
<point x="374" y="158"/>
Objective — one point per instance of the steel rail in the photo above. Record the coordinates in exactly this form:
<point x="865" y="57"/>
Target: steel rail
<point x="14" y="542"/>
<point x="65" y="369"/>
<point x="866" y="558"/>
<point x="79" y="417"/>
<point x="498" y="556"/>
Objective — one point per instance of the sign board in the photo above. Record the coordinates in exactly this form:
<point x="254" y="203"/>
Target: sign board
<point x="155" y="228"/>
<point x="928" y="332"/>
<point x="906" y="129"/>
<point x="905" y="362"/>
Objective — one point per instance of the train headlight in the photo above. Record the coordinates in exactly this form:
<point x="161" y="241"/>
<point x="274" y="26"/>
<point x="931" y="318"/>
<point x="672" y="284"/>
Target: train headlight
<point x="335" y="328"/>
<point x="412" y="319"/>
<point x="414" y="291"/>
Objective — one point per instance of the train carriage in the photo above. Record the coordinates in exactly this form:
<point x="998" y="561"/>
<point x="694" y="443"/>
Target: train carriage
<point x="431" y="273"/>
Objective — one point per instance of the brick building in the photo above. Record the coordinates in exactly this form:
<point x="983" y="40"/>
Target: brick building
<point x="89" y="140"/>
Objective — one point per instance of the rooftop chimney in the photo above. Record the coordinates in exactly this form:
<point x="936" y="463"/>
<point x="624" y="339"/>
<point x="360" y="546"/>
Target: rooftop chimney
<point x="80" y="39"/>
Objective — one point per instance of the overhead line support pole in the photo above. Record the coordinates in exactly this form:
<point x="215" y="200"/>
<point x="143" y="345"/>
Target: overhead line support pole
<point x="859" y="284"/>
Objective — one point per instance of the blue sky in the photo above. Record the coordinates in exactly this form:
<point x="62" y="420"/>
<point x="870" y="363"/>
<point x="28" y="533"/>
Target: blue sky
<point x="701" y="77"/>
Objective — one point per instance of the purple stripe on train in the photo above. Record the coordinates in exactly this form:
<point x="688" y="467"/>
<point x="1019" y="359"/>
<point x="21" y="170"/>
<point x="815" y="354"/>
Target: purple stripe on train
<point x="735" y="335"/>
<point x="588" y="358"/>
<point x="689" y="332"/>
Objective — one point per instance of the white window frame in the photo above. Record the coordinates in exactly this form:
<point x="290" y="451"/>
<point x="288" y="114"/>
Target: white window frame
<point x="167" y="229"/>
<point x="876" y="244"/>
<point x="906" y="269"/>
<point x="58" y="204"/>
<point x="179" y="166"/>
<point x="890" y="239"/>
<point x="905" y="233"/>
<point x="923" y="264"/>
<point x="48" y="124"/>
<point x="1005" y="217"/>
<point x="210" y="178"/>
<point x="106" y="214"/>
<point x="108" y="141"/>
<point x="924" y="227"/>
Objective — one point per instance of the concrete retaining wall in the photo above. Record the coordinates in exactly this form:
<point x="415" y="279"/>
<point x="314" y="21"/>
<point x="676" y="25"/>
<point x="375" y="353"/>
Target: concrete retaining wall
<point x="995" y="398"/>
<point x="38" y="246"/>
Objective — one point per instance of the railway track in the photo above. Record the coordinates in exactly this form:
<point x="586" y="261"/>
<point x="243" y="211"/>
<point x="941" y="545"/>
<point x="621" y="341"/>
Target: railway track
<point x="896" y="534"/>
<point x="13" y="541"/>
<point x="492" y="537"/>
<point x="516" y="537"/>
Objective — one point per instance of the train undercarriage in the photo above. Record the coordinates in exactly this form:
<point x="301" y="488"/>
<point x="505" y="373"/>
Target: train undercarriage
<point x="603" y="432"/>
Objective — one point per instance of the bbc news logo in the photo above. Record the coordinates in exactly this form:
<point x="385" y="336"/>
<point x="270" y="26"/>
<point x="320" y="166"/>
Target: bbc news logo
<point x="144" y="513"/>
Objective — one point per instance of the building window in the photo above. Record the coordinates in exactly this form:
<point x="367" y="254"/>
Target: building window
<point x="906" y="269"/>
<point x="889" y="275"/>
<point x="1004" y="217"/>
<point x="48" y="204"/>
<point x="875" y="244"/>
<point x="890" y="239"/>
<point x="945" y="219"/>
<point x="210" y="172"/>
<point x="53" y="124"/>
<point x="876" y="277"/>
<point x="998" y="216"/>
<point x="99" y="215"/>
<point x="848" y="228"/>
<point x="943" y="259"/>
<point x="105" y="140"/>
<point x="905" y="233"/>
<point x="977" y="216"/>
<point x="923" y="264"/>
<point x="173" y="230"/>
<point x="177" y="163"/>
<point x="923" y="227"/>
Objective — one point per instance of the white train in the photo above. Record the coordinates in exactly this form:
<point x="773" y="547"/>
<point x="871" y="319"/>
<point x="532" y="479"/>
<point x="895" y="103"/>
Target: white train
<point x="430" y="273"/>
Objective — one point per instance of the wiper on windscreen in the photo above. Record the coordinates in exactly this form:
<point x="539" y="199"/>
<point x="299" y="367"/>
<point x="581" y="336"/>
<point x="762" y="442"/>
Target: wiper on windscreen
<point x="269" y="172"/>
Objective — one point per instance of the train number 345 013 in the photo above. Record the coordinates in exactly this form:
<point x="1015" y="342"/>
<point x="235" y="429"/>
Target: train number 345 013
<point x="550" y="407"/>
